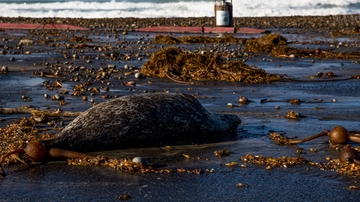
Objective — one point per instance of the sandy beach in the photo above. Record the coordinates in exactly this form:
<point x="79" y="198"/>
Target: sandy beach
<point x="75" y="57"/>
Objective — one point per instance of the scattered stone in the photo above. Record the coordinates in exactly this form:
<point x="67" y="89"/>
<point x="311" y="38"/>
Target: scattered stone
<point x="140" y="160"/>
<point x="26" y="42"/>
<point x="139" y="75"/>
<point x="4" y="69"/>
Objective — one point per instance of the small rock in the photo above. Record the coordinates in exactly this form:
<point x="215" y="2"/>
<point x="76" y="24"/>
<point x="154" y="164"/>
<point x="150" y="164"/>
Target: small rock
<point x="243" y="100"/>
<point x="139" y="75"/>
<point x="111" y="66"/>
<point x="4" y="69"/>
<point x="26" y="42"/>
<point x="57" y="97"/>
<point x="140" y="160"/>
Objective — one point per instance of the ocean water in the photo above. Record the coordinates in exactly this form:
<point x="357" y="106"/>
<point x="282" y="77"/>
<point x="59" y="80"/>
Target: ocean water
<point x="172" y="8"/>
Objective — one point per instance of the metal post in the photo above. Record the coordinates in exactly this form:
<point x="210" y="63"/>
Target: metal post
<point x="223" y="14"/>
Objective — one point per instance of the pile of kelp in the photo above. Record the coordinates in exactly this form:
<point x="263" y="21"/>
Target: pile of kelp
<point x="265" y="43"/>
<point x="275" y="44"/>
<point x="184" y="66"/>
<point x="16" y="135"/>
<point x="197" y="39"/>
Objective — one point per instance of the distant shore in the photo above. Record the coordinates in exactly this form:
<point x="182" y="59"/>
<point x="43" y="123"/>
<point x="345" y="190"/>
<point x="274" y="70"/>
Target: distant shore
<point x="320" y="23"/>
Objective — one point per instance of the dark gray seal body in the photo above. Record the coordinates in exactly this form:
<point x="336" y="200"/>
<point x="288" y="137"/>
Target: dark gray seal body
<point x="143" y="120"/>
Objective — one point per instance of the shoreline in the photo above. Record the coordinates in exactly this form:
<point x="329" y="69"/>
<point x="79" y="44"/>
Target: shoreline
<point x="319" y="23"/>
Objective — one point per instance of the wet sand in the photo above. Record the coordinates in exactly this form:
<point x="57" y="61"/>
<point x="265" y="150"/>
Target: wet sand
<point x="56" y="181"/>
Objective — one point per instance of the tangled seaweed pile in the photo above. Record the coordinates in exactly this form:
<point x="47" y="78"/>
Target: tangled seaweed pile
<point x="182" y="66"/>
<point x="127" y="165"/>
<point x="275" y="44"/>
<point x="279" y="139"/>
<point x="350" y="169"/>
<point x="287" y="52"/>
<point x="266" y="43"/>
<point x="346" y="168"/>
<point x="16" y="135"/>
<point x="197" y="39"/>
<point x="283" y="162"/>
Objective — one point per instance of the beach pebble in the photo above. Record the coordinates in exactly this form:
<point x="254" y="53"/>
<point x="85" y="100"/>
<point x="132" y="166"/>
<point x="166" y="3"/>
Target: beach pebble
<point x="26" y="42"/>
<point x="243" y="100"/>
<point x="139" y="75"/>
<point x="111" y="66"/>
<point x="140" y="160"/>
<point x="4" y="69"/>
<point x="57" y="97"/>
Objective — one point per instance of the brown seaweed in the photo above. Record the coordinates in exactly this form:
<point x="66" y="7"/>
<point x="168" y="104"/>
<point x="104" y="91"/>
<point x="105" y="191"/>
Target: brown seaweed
<point x="197" y="39"/>
<point x="266" y="43"/>
<point x="179" y="65"/>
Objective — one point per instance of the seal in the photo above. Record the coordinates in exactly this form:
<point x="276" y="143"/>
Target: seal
<point x="143" y="120"/>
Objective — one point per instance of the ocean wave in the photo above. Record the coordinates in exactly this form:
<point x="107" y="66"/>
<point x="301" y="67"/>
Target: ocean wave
<point x="143" y="8"/>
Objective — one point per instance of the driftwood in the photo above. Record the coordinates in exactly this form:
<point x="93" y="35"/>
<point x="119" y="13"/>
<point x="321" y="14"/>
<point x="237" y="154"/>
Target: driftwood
<point x="29" y="110"/>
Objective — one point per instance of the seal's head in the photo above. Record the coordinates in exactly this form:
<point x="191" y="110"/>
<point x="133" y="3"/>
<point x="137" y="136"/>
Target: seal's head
<point x="224" y="123"/>
<point x="217" y="124"/>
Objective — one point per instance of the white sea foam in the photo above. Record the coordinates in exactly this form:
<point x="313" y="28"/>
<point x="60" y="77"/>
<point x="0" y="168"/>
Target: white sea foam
<point x="174" y="8"/>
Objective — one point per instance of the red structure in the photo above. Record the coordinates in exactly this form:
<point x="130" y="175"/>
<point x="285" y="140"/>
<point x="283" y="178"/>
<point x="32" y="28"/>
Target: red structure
<point x="41" y="26"/>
